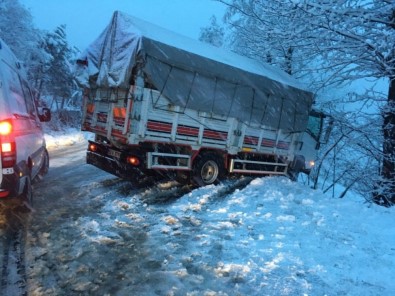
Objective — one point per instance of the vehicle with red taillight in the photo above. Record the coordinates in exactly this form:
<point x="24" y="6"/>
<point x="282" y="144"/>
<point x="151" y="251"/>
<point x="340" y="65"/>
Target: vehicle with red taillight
<point x="23" y="153"/>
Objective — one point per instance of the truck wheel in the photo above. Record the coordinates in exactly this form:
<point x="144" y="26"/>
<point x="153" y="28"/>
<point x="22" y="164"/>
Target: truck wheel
<point x="208" y="169"/>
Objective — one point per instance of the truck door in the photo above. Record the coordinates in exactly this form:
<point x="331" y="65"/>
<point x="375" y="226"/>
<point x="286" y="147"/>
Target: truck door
<point x="310" y="142"/>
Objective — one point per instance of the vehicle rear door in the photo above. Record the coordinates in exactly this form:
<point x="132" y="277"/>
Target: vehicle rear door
<point x="29" y="141"/>
<point x="36" y="135"/>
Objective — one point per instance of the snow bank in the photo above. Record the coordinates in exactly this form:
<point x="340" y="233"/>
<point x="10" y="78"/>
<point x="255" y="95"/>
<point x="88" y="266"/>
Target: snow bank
<point x="277" y="235"/>
<point x="272" y="237"/>
<point x="67" y="137"/>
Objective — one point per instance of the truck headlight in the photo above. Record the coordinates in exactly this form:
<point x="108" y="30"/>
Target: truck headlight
<point x="309" y="164"/>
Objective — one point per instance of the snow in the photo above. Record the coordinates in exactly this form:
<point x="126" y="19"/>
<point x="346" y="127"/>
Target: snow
<point x="66" y="137"/>
<point x="270" y="237"/>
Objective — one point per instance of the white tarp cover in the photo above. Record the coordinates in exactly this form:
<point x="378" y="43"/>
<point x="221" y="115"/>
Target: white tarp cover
<point x="194" y="75"/>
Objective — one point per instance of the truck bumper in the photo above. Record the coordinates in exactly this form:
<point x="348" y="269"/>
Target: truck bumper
<point x="114" y="166"/>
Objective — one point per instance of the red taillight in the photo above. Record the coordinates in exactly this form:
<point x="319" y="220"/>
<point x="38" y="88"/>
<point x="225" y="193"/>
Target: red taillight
<point x="133" y="160"/>
<point x="7" y="147"/>
<point x="92" y="147"/>
<point x="5" y="128"/>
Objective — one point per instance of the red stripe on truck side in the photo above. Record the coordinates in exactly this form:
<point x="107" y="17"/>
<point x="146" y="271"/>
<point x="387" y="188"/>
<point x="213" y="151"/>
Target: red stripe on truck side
<point x="159" y="126"/>
<point x="251" y="140"/>
<point x="215" y="135"/>
<point x="283" y="145"/>
<point x="185" y="130"/>
<point x="268" y="143"/>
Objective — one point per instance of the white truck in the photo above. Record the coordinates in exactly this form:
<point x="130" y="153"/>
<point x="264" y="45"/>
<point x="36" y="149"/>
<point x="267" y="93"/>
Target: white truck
<point x="156" y="101"/>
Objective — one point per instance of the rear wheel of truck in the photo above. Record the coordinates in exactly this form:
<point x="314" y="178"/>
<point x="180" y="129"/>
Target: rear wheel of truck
<point x="208" y="169"/>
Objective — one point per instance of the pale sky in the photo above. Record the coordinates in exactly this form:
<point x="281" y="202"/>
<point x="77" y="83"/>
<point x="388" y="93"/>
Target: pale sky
<point x="86" y="19"/>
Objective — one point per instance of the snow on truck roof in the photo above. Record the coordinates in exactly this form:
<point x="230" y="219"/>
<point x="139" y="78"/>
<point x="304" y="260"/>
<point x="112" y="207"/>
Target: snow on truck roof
<point x="194" y="75"/>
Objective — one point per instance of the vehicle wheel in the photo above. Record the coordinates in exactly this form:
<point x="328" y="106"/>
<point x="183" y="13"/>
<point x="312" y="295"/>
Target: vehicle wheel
<point x="26" y="198"/>
<point x="45" y="167"/>
<point x="208" y="169"/>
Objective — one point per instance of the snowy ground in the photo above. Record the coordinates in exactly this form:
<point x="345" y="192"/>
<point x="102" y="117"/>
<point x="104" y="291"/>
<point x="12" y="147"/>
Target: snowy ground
<point x="65" y="138"/>
<point x="272" y="237"/>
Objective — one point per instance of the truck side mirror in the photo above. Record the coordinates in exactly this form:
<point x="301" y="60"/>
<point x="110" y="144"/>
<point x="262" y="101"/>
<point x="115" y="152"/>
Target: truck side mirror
<point x="45" y="115"/>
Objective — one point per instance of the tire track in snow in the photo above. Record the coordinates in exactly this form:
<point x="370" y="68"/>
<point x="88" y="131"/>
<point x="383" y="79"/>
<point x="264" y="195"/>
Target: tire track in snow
<point x="234" y="185"/>
<point x="181" y="226"/>
<point x="13" y="272"/>
<point x="167" y="191"/>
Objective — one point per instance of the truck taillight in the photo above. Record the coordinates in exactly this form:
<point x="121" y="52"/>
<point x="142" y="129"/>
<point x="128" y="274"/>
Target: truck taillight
<point x="92" y="147"/>
<point x="133" y="160"/>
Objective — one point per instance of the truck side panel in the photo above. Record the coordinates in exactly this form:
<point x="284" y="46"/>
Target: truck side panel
<point x="148" y="116"/>
<point x="143" y="116"/>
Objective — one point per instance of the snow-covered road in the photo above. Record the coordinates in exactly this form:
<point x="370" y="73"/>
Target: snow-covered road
<point x="94" y="234"/>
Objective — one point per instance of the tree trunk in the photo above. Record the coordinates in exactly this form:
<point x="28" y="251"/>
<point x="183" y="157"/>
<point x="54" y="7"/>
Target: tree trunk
<point x="385" y="194"/>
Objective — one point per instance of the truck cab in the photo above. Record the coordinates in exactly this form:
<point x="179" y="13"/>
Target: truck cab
<point x="23" y="153"/>
<point x="317" y="133"/>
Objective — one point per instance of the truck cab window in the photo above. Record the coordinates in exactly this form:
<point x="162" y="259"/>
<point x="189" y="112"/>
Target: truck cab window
<point x="314" y="126"/>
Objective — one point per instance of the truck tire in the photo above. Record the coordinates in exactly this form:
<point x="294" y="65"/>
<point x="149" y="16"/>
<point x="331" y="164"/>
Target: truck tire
<point x="208" y="169"/>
